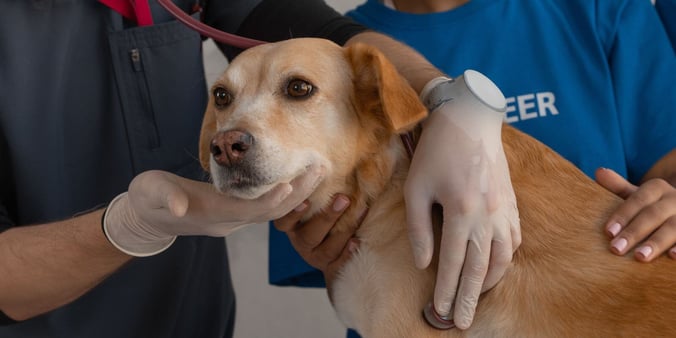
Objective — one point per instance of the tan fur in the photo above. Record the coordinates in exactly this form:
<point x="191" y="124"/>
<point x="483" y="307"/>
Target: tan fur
<point x="563" y="281"/>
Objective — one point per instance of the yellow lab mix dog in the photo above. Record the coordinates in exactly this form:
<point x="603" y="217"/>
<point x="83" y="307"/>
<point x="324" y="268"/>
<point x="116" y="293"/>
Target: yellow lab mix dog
<point x="282" y="107"/>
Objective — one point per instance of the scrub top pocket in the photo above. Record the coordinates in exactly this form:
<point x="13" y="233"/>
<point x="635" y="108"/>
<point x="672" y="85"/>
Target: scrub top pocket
<point x="162" y="92"/>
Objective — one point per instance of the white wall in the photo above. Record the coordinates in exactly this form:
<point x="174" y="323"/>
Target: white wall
<point x="265" y="311"/>
<point x="344" y="5"/>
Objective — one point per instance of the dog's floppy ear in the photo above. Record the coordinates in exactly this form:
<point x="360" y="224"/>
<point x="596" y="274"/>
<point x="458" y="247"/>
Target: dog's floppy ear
<point x="208" y="131"/>
<point x="380" y="88"/>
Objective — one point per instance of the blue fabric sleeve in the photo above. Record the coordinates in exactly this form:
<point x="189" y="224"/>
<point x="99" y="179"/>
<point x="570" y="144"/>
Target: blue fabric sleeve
<point x="286" y="267"/>
<point x="352" y="334"/>
<point x="633" y="60"/>
<point x="667" y="12"/>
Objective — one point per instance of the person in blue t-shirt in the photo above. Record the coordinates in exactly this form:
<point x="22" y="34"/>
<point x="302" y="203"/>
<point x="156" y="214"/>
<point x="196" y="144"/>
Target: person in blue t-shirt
<point x="570" y="72"/>
<point x="579" y="75"/>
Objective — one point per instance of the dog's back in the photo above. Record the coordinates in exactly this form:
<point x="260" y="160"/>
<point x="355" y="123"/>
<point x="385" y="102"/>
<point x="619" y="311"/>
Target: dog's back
<point x="563" y="281"/>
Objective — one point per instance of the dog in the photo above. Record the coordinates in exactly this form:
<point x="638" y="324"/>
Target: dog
<point x="283" y="106"/>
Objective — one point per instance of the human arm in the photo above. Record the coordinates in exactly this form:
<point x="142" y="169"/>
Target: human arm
<point x="469" y="177"/>
<point x="50" y="265"/>
<point x="481" y="226"/>
<point x="645" y="112"/>
<point x="647" y="218"/>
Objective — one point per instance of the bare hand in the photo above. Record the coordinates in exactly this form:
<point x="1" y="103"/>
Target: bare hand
<point x="313" y="239"/>
<point x="646" y="219"/>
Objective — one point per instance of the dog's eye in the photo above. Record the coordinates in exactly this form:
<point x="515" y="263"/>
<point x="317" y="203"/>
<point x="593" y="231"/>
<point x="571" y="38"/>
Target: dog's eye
<point x="299" y="88"/>
<point x="222" y="96"/>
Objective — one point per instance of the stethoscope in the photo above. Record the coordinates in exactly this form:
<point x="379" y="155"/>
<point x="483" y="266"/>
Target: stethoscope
<point x="208" y="31"/>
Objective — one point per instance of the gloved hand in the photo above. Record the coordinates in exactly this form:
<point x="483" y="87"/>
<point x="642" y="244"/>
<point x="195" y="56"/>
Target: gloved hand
<point x="459" y="163"/>
<point x="160" y="206"/>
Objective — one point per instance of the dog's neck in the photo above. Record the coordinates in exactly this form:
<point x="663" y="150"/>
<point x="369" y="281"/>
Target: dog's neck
<point x="378" y="171"/>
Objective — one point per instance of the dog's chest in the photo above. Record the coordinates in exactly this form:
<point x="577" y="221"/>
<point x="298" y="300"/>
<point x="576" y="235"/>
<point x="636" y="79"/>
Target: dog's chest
<point x="357" y="291"/>
<point x="379" y="287"/>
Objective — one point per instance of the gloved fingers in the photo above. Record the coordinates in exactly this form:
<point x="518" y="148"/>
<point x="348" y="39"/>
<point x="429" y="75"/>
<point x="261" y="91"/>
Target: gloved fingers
<point x="419" y="221"/>
<point x="471" y="281"/>
<point x="284" y="197"/>
<point x="515" y="232"/>
<point x="500" y="257"/>
<point x="177" y="200"/>
<point x="156" y="189"/>
<point x="661" y="240"/>
<point x="452" y="252"/>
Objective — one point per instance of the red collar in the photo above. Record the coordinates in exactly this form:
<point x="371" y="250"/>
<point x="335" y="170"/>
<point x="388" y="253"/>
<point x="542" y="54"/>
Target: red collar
<point x="407" y="139"/>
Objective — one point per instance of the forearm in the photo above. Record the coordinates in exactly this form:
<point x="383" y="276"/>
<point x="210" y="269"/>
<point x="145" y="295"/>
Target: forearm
<point x="410" y="64"/>
<point x="46" y="266"/>
<point x="665" y="168"/>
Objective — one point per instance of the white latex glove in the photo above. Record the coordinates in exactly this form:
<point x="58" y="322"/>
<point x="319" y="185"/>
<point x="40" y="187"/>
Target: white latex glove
<point x="459" y="163"/>
<point x="160" y="206"/>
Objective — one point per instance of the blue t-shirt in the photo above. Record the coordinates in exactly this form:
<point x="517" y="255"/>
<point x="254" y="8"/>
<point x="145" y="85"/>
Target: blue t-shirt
<point x="594" y="80"/>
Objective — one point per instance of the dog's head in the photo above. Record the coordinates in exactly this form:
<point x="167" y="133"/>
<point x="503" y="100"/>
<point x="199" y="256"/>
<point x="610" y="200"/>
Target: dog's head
<point x="281" y="107"/>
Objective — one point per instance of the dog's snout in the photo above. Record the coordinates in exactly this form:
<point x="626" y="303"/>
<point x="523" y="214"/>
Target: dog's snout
<point x="230" y="147"/>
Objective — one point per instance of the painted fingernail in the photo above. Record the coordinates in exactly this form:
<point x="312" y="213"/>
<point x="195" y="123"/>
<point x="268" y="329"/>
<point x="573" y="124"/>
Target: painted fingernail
<point x="619" y="244"/>
<point x="301" y="207"/>
<point x="672" y="252"/>
<point x="614" y="229"/>
<point x="340" y="203"/>
<point x="645" y="251"/>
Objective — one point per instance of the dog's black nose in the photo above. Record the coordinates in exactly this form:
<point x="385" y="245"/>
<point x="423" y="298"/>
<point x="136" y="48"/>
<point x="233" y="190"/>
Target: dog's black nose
<point x="230" y="147"/>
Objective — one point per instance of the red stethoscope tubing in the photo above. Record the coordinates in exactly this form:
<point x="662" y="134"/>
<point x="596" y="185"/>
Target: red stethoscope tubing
<point x="208" y="31"/>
